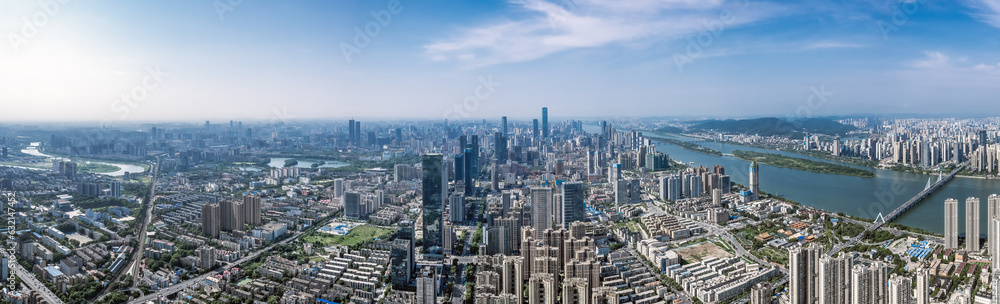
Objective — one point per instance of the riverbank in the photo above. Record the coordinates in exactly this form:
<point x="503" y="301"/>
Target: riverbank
<point x="782" y="161"/>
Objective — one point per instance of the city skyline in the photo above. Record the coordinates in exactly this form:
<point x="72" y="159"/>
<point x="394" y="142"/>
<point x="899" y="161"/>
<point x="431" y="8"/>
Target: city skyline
<point x="243" y="60"/>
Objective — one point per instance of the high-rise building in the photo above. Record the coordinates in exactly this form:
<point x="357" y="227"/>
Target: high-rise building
<point x="534" y="128"/>
<point x="972" y="224"/>
<point x="338" y="188"/>
<point x="542" y="289"/>
<point x="545" y="122"/>
<point x="500" y="147"/>
<point x="251" y="210"/>
<point x="899" y="290"/>
<point x="760" y="294"/>
<point x="456" y="208"/>
<point x="352" y="205"/>
<point x="210" y="221"/>
<point x="503" y="126"/>
<point x="576" y="290"/>
<point x="993" y="228"/>
<point x="950" y="223"/>
<point x="427" y="286"/>
<point x="835" y="279"/>
<point x="604" y="295"/>
<point x="541" y="216"/>
<point x="434" y="194"/>
<point x="573" y="206"/>
<point x="923" y="289"/>
<point x="400" y="257"/>
<point x="227" y="208"/>
<point x="754" y="181"/>
<point x="803" y="282"/>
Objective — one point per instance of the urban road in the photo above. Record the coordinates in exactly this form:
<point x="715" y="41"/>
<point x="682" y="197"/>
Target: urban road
<point x="183" y="285"/>
<point x="29" y="279"/>
<point x="899" y="210"/>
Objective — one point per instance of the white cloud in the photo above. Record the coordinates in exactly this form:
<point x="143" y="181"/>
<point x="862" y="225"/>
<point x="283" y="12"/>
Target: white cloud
<point x="989" y="11"/>
<point x="552" y="27"/>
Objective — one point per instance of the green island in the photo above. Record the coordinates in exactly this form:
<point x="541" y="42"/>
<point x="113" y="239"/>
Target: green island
<point x="778" y="160"/>
<point x="97" y="168"/>
<point x="689" y="146"/>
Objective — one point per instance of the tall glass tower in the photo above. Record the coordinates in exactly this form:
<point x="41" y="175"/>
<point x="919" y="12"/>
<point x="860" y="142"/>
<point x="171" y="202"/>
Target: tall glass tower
<point x="433" y="202"/>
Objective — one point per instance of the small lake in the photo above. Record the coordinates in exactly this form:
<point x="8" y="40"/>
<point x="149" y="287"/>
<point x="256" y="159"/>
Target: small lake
<point x="279" y="162"/>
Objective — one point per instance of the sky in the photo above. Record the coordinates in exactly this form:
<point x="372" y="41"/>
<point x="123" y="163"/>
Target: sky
<point x="117" y="61"/>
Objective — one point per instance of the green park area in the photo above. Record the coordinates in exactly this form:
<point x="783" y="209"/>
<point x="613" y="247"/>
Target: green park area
<point x="360" y="235"/>
<point x="782" y="161"/>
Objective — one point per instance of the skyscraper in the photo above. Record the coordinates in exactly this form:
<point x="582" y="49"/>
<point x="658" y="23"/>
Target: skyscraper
<point x="835" y="279"/>
<point x="573" y="207"/>
<point x="456" y="208"/>
<point x="760" y="294"/>
<point x="500" y="147"/>
<point x="434" y="194"/>
<point x="545" y="122"/>
<point x="427" y="286"/>
<point x="352" y="205"/>
<point x="803" y="282"/>
<point x="251" y="209"/>
<point x="541" y="216"/>
<point x="210" y="220"/>
<point x="542" y="289"/>
<point x="503" y="127"/>
<point x="534" y="128"/>
<point x="338" y="188"/>
<point x="754" y="181"/>
<point x="231" y="214"/>
<point x="993" y="228"/>
<point x="899" y="290"/>
<point x="950" y="223"/>
<point x="972" y="224"/>
<point x="923" y="290"/>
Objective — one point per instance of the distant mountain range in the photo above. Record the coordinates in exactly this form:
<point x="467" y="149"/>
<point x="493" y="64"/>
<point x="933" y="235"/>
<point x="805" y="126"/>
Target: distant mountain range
<point x="770" y="126"/>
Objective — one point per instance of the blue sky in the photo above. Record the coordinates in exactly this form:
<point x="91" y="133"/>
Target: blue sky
<point x="112" y="61"/>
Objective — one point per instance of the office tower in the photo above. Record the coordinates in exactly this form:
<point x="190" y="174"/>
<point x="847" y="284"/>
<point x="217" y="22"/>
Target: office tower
<point x="573" y="207"/>
<point x="541" y="216"/>
<point x="427" y="286"/>
<point x="456" y="208"/>
<point x="210" y="225"/>
<point x="542" y="289"/>
<point x="352" y="205"/>
<point x="434" y="194"/>
<point x="803" y="283"/>
<point x="923" y="289"/>
<point x="474" y="165"/>
<point x="500" y="147"/>
<point x="251" y="209"/>
<point x="835" y="279"/>
<point x="993" y="228"/>
<point x="503" y="126"/>
<point x="350" y="129"/>
<point x="400" y="256"/>
<point x="406" y="230"/>
<point x="545" y="122"/>
<point x="754" y="181"/>
<point x="357" y="132"/>
<point x="448" y="238"/>
<point x="614" y="173"/>
<point x="972" y="224"/>
<point x="534" y="128"/>
<point x="576" y="290"/>
<point x="338" y="187"/>
<point x="899" y="290"/>
<point x="950" y="223"/>
<point x="760" y="294"/>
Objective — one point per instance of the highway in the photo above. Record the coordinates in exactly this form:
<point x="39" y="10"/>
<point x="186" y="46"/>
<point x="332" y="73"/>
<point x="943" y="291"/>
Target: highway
<point x="31" y="281"/>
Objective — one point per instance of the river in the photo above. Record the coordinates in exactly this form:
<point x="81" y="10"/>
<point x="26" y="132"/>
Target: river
<point x="865" y="197"/>
<point x="122" y="168"/>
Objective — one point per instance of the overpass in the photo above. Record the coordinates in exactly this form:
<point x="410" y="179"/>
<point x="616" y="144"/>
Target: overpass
<point x="899" y="211"/>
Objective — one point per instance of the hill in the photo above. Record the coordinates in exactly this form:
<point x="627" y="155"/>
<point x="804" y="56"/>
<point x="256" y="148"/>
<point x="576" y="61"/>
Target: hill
<point x="770" y="126"/>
